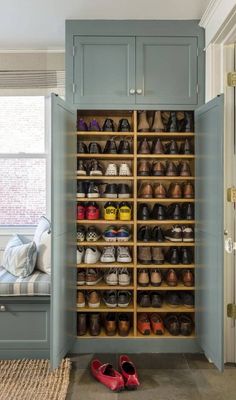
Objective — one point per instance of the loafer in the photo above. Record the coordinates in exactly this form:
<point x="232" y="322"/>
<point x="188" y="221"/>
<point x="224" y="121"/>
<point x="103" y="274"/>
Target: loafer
<point x="172" y="324"/>
<point x="110" y="324"/>
<point x="144" y="299"/>
<point x="187" y="299"/>
<point x="186" y="325"/>
<point x="129" y="373"/>
<point x="171" y="278"/>
<point x="173" y="299"/>
<point x="156" y="300"/>
<point x="157" y="324"/>
<point x="123" y="324"/>
<point x="144" y="326"/>
<point x="107" y="375"/>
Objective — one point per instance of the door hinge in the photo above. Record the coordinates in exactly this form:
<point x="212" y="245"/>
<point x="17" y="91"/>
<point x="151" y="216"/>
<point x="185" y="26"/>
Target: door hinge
<point x="231" y="195"/>
<point x="73" y="88"/>
<point x="73" y="51"/>
<point x="231" y="311"/>
<point x="231" y="79"/>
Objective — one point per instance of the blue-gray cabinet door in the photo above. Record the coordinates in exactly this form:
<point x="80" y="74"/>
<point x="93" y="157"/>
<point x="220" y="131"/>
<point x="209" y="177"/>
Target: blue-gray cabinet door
<point x="104" y="70"/>
<point x="63" y="195"/>
<point x="166" y="70"/>
<point x="209" y="256"/>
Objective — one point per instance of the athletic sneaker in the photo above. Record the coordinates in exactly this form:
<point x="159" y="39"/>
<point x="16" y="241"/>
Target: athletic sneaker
<point x="123" y="190"/>
<point x="123" y="255"/>
<point x="81" y="234"/>
<point x="80" y="254"/>
<point x="81" y="189"/>
<point x="111" y="277"/>
<point x="124" y="170"/>
<point x="94" y="168"/>
<point x="110" y="298"/>
<point x="92" y="211"/>
<point x="81" y="170"/>
<point x="124" y="277"/>
<point x="123" y="234"/>
<point x="123" y="298"/>
<point x="108" y="254"/>
<point x="92" y="234"/>
<point x="93" y="276"/>
<point x="93" y="190"/>
<point x="111" y="190"/>
<point x="174" y="234"/>
<point x="92" y="255"/>
<point x="110" y="234"/>
<point x="81" y="277"/>
<point x="111" y="170"/>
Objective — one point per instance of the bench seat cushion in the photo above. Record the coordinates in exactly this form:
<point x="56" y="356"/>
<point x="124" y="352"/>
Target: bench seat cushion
<point x="37" y="284"/>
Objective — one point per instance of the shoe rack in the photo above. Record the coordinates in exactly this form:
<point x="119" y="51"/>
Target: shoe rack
<point x="134" y="181"/>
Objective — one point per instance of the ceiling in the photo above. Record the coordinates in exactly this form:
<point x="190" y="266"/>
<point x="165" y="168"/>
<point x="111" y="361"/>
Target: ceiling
<point x="40" y="24"/>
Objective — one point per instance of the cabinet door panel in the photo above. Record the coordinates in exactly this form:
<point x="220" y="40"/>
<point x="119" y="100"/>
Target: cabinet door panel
<point x="166" y="70"/>
<point x="104" y="70"/>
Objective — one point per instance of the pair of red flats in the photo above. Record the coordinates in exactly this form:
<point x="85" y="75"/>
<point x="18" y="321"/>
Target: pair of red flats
<point x="116" y="381"/>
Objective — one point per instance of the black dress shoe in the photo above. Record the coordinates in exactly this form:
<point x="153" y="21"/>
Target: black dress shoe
<point x="124" y="125"/>
<point x="81" y="148"/>
<point x="94" y="148"/>
<point x="144" y="299"/>
<point x="188" y="211"/>
<point x="124" y="147"/>
<point x="123" y="190"/>
<point x="173" y="256"/>
<point x="81" y="189"/>
<point x="174" y="212"/>
<point x="111" y="190"/>
<point x="143" y="212"/>
<point x="159" y="212"/>
<point x="186" y="147"/>
<point x="172" y="147"/>
<point x="188" y="121"/>
<point x="156" y="300"/>
<point x="173" y="299"/>
<point x="110" y="147"/>
<point x="172" y="123"/>
<point x="144" y="234"/>
<point x="187" y="256"/>
<point x="157" y="234"/>
<point x="108" y="125"/>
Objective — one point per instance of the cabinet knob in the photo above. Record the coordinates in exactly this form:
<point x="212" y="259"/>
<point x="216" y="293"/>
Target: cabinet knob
<point x="2" y="307"/>
<point x="132" y="91"/>
<point x="139" y="91"/>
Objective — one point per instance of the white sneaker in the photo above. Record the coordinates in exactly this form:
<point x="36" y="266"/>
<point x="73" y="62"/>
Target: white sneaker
<point x="124" y="170"/>
<point x="92" y="255"/>
<point x="111" y="170"/>
<point x="123" y="255"/>
<point x="124" y="277"/>
<point x="80" y="254"/>
<point x="111" y="278"/>
<point x="108" y="254"/>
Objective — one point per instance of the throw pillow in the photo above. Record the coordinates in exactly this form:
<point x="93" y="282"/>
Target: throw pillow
<point x="44" y="253"/>
<point x="43" y="226"/>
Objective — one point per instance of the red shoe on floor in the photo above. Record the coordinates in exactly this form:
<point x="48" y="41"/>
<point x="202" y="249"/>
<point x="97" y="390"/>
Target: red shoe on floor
<point x="129" y="373"/>
<point x="107" y="375"/>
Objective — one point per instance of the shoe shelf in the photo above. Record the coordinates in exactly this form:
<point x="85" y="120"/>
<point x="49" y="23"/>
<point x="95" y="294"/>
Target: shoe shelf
<point x="173" y="135"/>
<point x="166" y="335"/>
<point x="104" y="243"/>
<point x="104" y="308"/>
<point x="103" y="221"/>
<point x="167" y="156"/>
<point x="107" y="156"/>
<point x="166" y="222"/>
<point x="166" y="244"/>
<point x="103" y="335"/>
<point x="164" y="286"/>
<point x="105" y="286"/>
<point x="104" y="177"/>
<point x="166" y="178"/>
<point x="107" y="265"/>
<point x="105" y="199"/>
<point x="103" y="134"/>
<point x="166" y="200"/>
<point x="165" y="266"/>
<point x="165" y="308"/>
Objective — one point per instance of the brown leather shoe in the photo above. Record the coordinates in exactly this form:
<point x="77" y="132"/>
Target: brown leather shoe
<point x="175" y="191"/>
<point x="144" y="168"/>
<point x="188" y="278"/>
<point x="171" y="169"/>
<point x="157" y="125"/>
<point x="158" y="255"/>
<point x="94" y="299"/>
<point x="157" y="147"/>
<point x="171" y="278"/>
<point x="159" y="191"/>
<point x="110" y="324"/>
<point x="81" y="324"/>
<point x="185" y="169"/>
<point x="124" y="324"/>
<point x="143" y="125"/>
<point x="188" y="190"/>
<point x="155" y="277"/>
<point x="80" y="299"/>
<point x="158" y="168"/>
<point x="143" y="277"/>
<point x="144" y="147"/>
<point x="144" y="255"/>
<point x="145" y="191"/>
<point x="94" y="324"/>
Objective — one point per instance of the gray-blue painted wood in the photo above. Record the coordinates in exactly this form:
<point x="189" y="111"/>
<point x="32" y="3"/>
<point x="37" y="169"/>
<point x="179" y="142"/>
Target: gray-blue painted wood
<point x="63" y="167"/>
<point x="104" y="70"/>
<point x="166" y="70"/>
<point x="209" y="120"/>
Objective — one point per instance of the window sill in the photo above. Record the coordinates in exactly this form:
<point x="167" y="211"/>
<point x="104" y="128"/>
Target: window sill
<point x="20" y="230"/>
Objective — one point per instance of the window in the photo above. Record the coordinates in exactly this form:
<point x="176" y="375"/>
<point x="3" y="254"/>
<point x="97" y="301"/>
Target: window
<point x="23" y="160"/>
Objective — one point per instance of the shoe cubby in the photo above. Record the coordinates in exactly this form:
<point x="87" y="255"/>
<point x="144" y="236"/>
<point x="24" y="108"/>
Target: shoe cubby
<point x="159" y="171"/>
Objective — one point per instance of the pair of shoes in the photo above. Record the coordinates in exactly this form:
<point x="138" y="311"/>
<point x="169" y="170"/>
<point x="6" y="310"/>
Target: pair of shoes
<point x="91" y="148"/>
<point x="91" y="167"/>
<point x="159" y="168"/>
<point x="118" y="170"/>
<point x="165" y="121"/>
<point x="90" y="255"/>
<point x="89" y="322"/>
<point x="111" y="147"/>
<point x="174" y="256"/>
<point x="117" y="276"/>
<point x="119" y="234"/>
<point x="147" y="277"/>
<point x="92" y="234"/>
<point x="158" y="147"/>
<point x="150" y="299"/>
<point x="149" y="255"/>
<point x="88" y="211"/>
<point x="154" y="124"/>
<point x="110" y="254"/>
<point x="87" y="189"/>
<point x="176" y="299"/>
<point x="186" y="276"/>
<point x="93" y="299"/>
<point x="108" y="125"/>
<point x="179" y="234"/>
<point x="90" y="276"/>
<point x="179" y="325"/>
<point x="182" y="255"/>
<point x="93" y="125"/>
<point x="158" y="191"/>
<point x="177" y="211"/>
<point x="161" y="212"/>
<point x="121" y="211"/>
<point x="122" y="190"/>
<point x="147" y="323"/>
<point x="113" y="298"/>
<point x="114" y="380"/>
<point x="146" y="234"/>
<point x="114" y="323"/>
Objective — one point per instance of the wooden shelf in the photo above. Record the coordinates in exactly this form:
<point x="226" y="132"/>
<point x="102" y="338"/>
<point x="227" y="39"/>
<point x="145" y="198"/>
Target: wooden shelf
<point x="103" y="335"/>
<point x="165" y="266"/>
<point x="104" y="308"/>
<point x="106" y="156"/>
<point x="102" y="221"/>
<point x="104" y="177"/>
<point x="104" y="243"/>
<point x="166" y="200"/>
<point x="166" y="134"/>
<point x="166" y="308"/>
<point x="166" y="244"/>
<point x="104" y="199"/>
<point x="166" y="335"/>
<point x="104" y="286"/>
<point x="164" y="286"/>
<point x="172" y="156"/>
<point x="166" y="222"/>
<point x="103" y="133"/>
<point x="109" y="265"/>
<point x="166" y="178"/>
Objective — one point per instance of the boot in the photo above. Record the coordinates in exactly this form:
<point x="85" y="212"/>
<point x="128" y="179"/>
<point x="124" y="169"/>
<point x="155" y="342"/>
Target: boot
<point x="143" y="125"/>
<point x="157" y="125"/>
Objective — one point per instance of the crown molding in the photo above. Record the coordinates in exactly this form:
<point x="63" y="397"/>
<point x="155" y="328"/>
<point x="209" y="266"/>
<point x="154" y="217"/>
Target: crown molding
<point x="209" y="12"/>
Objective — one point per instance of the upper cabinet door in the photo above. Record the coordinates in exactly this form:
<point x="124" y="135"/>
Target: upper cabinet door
<point x="166" y="70"/>
<point x="209" y="212"/>
<point x="104" y="70"/>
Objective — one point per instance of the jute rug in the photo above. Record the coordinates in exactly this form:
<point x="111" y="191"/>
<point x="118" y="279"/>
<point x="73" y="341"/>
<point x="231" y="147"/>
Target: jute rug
<point x="33" y="380"/>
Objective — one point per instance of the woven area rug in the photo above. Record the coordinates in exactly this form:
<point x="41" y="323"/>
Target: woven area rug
<point x="33" y="379"/>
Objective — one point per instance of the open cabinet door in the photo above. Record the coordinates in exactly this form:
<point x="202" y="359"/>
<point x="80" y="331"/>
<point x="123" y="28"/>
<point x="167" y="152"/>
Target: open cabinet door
<point x="209" y="213"/>
<point x="63" y="195"/>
